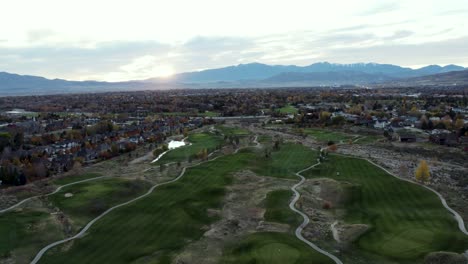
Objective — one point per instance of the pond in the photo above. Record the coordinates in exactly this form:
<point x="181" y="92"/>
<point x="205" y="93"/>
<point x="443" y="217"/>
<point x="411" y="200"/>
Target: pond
<point x="173" y="144"/>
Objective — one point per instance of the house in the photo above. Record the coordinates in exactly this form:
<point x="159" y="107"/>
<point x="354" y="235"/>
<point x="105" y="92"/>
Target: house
<point x="406" y="137"/>
<point x="444" y="137"/>
<point x="381" y="124"/>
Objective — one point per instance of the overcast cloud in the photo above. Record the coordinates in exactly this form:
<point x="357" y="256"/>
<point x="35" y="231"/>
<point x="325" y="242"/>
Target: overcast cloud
<point x="126" y="40"/>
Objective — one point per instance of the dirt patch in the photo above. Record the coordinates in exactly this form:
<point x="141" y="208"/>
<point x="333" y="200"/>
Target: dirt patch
<point x="323" y="200"/>
<point x="241" y="214"/>
<point x="350" y="233"/>
<point x="445" y="257"/>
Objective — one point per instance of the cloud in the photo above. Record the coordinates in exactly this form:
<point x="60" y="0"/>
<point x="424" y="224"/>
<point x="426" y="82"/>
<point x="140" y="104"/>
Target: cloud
<point x="399" y="35"/>
<point x="39" y="35"/>
<point x="380" y="8"/>
<point x="130" y="60"/>
<point x="440" y="52"/>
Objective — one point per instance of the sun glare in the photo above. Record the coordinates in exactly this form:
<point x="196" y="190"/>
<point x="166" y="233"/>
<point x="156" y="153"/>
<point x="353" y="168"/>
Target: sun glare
<point x="164" y="71"/>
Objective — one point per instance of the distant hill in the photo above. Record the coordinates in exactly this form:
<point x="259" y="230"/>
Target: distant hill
<point x="452" y="78"/>
<point x="258" y="71"/>
<point x="248" y="75"/>
<point x="14" y="84"/>
<point x="329" y="78"/>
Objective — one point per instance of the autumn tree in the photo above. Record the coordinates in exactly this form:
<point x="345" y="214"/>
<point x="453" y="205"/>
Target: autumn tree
<point x="459" y="123"/>
<point x="422" y="172"/>
<point x="324" y="116"/>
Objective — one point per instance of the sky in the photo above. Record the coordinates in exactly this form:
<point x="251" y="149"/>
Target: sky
<point x="116" y="40"/>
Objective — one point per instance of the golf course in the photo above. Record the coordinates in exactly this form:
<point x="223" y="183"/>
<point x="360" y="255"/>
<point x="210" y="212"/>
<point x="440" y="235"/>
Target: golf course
<point x="406" y="221"/>
<point x="155" y="223"/>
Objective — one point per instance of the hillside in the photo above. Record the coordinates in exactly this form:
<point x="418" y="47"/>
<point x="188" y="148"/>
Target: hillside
<point x="248" y="75"/>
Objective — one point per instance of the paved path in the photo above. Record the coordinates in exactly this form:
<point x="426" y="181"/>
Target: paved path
<point x="461" y="223"/>
<point x="48" y="194"/>
<point x="306" y="221"/>
<point x="88" y="226"/>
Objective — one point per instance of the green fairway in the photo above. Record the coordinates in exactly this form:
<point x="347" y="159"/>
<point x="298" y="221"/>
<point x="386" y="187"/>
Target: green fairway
<point x="288" y="109"/>
<point x="277" y="208"/>
<point x="199" y="141"/>
<point x="407" y="221"/>
<point x="157" y="226"/>
<point x="26" y="231"/>
<point x="23" y="233"/>
<point x="272" y="248"/>
<point x="327" y="135"/>
<point x="290" y="159"/>
<point x="92" y="198"/>
<point x="75" y="178"/>
<point x="369" y="139"/>
<point x="208" y="114"/>
<point x="265" y="139"/>
<point x="233" y="131"/>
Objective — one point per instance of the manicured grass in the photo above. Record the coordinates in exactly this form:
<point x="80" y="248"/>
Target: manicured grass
<point x="286" y="161"/>
<point x="272" y="248"/>
<point x="155" y="227"/>
<point x="75" y="178"/>
<point x="198" y="142"/>
<point x="277" y="208"/>
<point x="265" y="139"/>
<point x="23" y="233"/>
<point x="92" y="198"/>
<point x="288" y="109"/>
<point x="407" y="221"/>
<point x="204" y="114"/>
<point x="233" y="131"/>
<point x="327" y="135"/>
<point x="368" y="139"/>
<point x="209" y="114"/>
<point x="174" y="114"/>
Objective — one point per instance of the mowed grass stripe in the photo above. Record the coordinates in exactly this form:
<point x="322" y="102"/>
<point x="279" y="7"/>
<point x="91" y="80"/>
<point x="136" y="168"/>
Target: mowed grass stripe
<point x="406" y="220"/>
<point x="272" y="248"/>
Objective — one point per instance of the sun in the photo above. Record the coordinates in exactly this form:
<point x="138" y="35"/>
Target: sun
<point x="163" y="71"/>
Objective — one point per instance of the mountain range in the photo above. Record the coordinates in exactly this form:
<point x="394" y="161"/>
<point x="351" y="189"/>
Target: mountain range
<point x="258" y="71"/>
<point x="251" y="75"/>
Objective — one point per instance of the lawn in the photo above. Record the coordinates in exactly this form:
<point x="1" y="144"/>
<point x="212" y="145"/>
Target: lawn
<point x="272" y="248"/>
<point x="92" y="198"/>
<point x="369" y="139"/>
<point x="277" y="208"/>
<point x="288" y="109"/>
<point x="407" y="221"/>
<point x="233" y="131"/>
<point x="265" y="139"/>
<point x="75" y="178"/>
<point x="24" y="233"/>
<point x="327" y="135"/>
<point x="286" y="161"/>
<point x="204" y="114"/>
<point x="199" y="141"/>
<point x="209" y="114"/>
